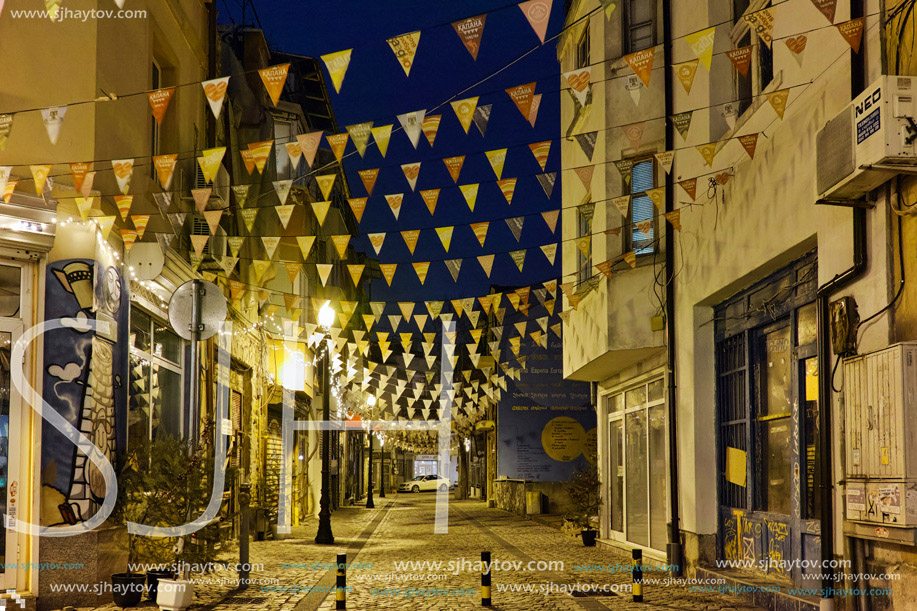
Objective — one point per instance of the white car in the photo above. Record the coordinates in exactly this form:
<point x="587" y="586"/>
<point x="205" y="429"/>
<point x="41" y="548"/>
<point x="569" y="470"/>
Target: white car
<point x="425" y="482"/>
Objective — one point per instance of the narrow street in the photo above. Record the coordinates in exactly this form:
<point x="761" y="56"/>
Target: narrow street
<point x="386" y="548"/>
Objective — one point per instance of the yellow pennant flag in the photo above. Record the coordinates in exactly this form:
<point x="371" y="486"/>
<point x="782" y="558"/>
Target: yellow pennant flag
<point x="685" y="73"/>
<point x="105" y="225"/>
<point x="480" y="231"/>
<point x="445" y="235"/>
<point x="340" y="244"/>
<point x="487" y="263"/>
<point x="708" y="152"/>
<point x="778" y="101"/>
<point x="497" y="158"/>
<point x="584" y="244"/>
<point x="324" y="270"/>
<point x="326" y="183"/>
<point x="39" y="176"/>
<point x="405" y="47"/>
<point x="198" y="242"/>
<point x="320" y="209"/>
<point x="356" y="272"/>
<point x="430" y="126"/>
<point x="305" y="244"/>
<point x="140" y="222"/>
<point x="702" y="44"/>
<point x="84" y="205"/>
<point x="464" y="110"/>
<point x="471" y="194"/>
<point x="274" y="78"/>
<point x="388" y="271"/>
<point x="337" y="64"/>
<point x="210" y="162"/>
<point x="359" y="134"/>
<point x="657" y="196"/>
<point x="382" y="135"/>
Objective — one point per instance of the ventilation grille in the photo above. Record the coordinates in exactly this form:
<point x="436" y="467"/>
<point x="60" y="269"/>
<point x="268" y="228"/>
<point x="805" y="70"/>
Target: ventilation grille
<point x="835" y="153"/>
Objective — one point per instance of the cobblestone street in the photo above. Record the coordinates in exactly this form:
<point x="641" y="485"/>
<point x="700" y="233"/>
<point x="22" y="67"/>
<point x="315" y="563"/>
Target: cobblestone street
<point x="297" y="575"/>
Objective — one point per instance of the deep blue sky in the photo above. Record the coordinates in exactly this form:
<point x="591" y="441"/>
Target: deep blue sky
<point x="376" y="89"/>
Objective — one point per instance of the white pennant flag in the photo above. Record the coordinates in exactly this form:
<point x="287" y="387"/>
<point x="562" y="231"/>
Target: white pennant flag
<point x="412" y="123"/>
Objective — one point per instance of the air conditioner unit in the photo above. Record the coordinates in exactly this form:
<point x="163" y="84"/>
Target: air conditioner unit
<point x="868" y="142"/>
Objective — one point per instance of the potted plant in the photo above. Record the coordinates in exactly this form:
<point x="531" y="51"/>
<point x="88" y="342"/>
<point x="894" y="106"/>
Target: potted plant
<point x="583" y="488"/>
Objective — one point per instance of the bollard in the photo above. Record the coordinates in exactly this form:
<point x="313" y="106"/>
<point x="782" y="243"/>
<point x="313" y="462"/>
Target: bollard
<point x="638" y="575"/>
<point x="340" y="592"/>
<point x="485" y="579"/>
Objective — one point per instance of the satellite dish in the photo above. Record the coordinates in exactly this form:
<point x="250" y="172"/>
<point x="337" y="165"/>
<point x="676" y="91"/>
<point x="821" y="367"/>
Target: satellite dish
<point x="212" y="308"/>
<point x="147" y="260"/>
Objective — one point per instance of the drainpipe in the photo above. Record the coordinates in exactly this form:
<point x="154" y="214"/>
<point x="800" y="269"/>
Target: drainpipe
<point x="674" y="549"/>
<point x="840" y="281"/>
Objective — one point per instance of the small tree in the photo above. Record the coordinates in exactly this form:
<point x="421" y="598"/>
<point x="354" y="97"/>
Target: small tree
<point x="583" y="487"/>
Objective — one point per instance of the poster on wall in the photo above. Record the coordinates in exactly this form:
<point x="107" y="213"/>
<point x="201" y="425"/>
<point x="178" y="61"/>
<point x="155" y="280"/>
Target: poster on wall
<point x="84" y="381"/>
<point x="547" y="425"/>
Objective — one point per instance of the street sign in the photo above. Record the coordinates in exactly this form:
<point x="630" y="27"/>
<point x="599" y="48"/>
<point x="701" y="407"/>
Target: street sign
<point x="212" y="309"/>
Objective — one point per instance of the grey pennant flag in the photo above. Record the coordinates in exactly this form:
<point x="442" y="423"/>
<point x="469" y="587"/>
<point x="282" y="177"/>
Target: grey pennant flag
<point x="547" y="181"/>
<point x="481" y="116"/>
<point x="515" y="225"/>
<point x="454" y="265"/>
<point x="587" y="143"/>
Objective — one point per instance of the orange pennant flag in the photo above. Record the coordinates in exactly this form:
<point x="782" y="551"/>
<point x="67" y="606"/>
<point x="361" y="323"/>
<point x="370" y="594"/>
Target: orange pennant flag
<point x="749" y="143"/>
<point x="159" y="102"/>
<point x="741" y="59"/>
<point x="480" y="231"/>
<point x="369" y="179"/>
<point x="274" y="77"/>
<point x="421" y="270"/>
<point x="430" y="126"/>
<point x="852" y="31"/>
<point x="79" y="171"/>
<point x="540" y="150"/>
<point x="260" y="152"/>
<point x="641" y="63"/>
<point x="454" y="165"/>
<point x="522" y="97"/>
<point x="410" y="238"/>
<point x="128" y="236"/>
<point x="338" y="142"/>
<point x="690" y="187"/>
<point x="358" y="205"/>
<point x="430" y="197"/>
<point x="674" y="217"/>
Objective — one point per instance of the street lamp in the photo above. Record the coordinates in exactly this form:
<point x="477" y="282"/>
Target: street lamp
<point x="324" y="535"/>
<point x="371" y="402"/>
<point x="381" y="467"/>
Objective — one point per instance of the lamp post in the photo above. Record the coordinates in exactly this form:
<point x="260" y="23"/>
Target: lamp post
<point x="382" y="468"/>
<point x="371" y="401"/>
<point x="324" y="535"/>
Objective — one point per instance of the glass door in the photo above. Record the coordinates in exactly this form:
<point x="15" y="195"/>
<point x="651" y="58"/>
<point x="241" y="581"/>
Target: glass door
<point x="616" y="474"/>
<point x="12" y="500"/>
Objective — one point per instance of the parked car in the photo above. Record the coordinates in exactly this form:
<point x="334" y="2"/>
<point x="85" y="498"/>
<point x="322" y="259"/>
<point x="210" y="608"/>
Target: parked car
<point x="425" y="482"/>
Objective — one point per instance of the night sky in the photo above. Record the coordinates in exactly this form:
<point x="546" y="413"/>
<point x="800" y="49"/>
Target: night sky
<point x="376" y="89"/>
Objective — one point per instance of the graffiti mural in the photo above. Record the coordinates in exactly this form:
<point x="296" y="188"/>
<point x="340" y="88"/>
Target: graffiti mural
<point x="84" y="381"/>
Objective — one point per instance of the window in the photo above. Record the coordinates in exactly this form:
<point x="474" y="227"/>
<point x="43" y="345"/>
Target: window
<point x="155" y="134"/>
<point x="639" y="25"/>
<point x="637" y="453"/>
<point x="156" y="355"/>
<point x="584" y="229"/>
<point x="582" y="49"/>
<point x="761" y="73"/>
<point x="642" y="221"/>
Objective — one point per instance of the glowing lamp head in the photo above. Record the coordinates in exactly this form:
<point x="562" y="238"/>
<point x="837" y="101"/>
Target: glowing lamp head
<point x="371" y="400"/>
<point x="326" y="315"/>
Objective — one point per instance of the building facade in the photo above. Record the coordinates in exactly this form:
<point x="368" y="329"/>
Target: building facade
<point x="710" y="130"/>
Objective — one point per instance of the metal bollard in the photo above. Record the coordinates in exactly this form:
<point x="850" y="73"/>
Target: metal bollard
<point x="340" y="591"/>
<point x="637" y="573"/>
<point x="485" y="579"/>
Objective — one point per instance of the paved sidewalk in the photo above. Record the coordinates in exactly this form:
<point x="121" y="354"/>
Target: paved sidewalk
<point x="297" y="574"/>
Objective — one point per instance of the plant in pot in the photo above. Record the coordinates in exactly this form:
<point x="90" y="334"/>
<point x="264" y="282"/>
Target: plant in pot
<point x="583" y="487"/>
<point x="138" y="502"/>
